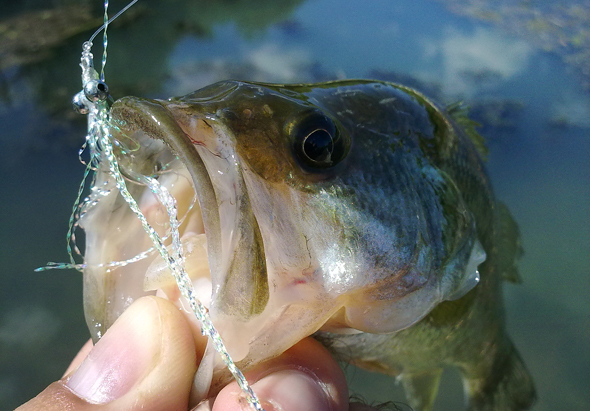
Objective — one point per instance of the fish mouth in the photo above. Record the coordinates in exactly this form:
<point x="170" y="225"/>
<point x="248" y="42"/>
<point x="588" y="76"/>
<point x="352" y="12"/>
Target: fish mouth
<point x="223" y="250"/>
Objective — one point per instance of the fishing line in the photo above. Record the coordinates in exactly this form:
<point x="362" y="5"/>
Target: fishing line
<point x="123" y="10"/>
<point x="104" y="39"/>
<point x="92" y="101"/>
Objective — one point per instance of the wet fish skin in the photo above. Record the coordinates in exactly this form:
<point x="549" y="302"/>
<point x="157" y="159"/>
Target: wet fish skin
<point x="387" y="224"/>
<point x="468" y="333"/>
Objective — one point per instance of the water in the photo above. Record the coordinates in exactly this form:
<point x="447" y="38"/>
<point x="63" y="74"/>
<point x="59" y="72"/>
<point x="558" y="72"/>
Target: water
<point x="538" y="156"/>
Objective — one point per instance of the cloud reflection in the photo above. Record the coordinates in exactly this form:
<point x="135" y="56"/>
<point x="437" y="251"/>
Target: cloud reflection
<point x="270" y="62"/>
<point x="469" y="62"/>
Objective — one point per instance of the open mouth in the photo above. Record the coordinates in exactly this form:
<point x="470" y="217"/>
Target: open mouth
<point x="222" y="245"/>
<point x="121" y="264"/>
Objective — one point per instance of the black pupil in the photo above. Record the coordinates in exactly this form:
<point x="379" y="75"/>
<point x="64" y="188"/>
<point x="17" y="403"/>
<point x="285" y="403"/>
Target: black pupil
<point x="318" y="145"/>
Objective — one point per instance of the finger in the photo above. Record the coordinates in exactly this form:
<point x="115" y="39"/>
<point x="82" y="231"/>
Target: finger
<point x="304" y="378"/>
<point x="145" y="361"/>
<point x="79" y="357"/>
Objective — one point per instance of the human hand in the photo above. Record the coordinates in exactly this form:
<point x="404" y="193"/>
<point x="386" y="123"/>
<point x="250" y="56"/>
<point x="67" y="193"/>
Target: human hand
<point x="147" y="360"/>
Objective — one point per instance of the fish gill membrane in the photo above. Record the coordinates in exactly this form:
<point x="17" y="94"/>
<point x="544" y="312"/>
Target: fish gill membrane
<point x="356" y="210"/>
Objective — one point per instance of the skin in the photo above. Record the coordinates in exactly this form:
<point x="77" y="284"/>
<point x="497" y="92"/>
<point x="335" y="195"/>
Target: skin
<point x="148" y="357"/>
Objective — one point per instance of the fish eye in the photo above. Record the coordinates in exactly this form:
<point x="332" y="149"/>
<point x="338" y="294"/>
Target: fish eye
<point x="318" y="146"/>
<point x="317" y="141"/>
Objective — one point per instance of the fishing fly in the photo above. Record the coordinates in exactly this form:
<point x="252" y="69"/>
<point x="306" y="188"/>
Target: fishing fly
<point x="94" y="101"/>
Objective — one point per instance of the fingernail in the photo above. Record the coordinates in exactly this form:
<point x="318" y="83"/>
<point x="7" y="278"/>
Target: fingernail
<point x="123" y="357"/>
<point x="292" y="390"/>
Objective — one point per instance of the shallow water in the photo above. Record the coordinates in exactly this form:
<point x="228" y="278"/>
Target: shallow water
<point x="539" y="140"/>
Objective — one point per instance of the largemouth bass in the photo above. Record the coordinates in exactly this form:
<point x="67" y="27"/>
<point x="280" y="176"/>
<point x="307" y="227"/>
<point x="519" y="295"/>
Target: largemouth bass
<point x="357" y="210"/>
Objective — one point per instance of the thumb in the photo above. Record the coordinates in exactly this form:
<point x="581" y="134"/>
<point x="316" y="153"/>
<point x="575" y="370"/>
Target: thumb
<point x="145" y="361"/>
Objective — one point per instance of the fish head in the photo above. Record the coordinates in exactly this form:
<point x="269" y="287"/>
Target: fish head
<point x="318" y="206"/>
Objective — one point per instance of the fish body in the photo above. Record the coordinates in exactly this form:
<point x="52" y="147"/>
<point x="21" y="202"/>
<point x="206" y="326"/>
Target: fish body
<point x="355" y="209"/>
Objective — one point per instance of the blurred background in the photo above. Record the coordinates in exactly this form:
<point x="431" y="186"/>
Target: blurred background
<point x="522" y="66"/>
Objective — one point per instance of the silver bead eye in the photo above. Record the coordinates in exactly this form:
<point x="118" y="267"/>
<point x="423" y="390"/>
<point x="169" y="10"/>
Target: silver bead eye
<point x="79" y="104"/>
<point x="96" y="90"/>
